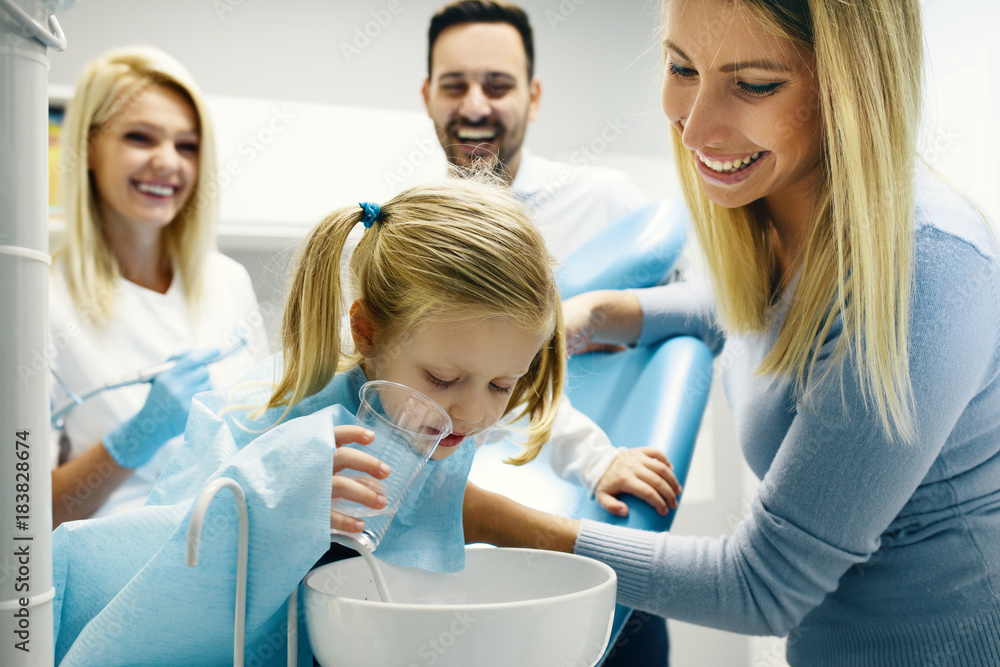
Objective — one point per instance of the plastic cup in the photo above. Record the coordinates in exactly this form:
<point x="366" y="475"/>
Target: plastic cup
<point x="408" y="426"/>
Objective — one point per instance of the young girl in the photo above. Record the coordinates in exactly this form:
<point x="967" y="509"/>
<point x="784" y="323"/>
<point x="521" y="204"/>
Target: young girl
<point x="453" y="295"/>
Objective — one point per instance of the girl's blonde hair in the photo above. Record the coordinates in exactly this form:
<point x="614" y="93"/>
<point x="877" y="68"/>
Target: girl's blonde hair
<point x="108" y="85"/>
<point x="857" y="260"/>
<point x="458" y="250"/>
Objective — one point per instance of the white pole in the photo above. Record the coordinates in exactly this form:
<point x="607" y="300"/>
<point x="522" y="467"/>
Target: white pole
<point x="26" y="590"/>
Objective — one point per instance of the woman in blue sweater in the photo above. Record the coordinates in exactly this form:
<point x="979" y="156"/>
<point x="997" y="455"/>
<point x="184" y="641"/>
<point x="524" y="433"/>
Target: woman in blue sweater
<point x="858" y="301"/>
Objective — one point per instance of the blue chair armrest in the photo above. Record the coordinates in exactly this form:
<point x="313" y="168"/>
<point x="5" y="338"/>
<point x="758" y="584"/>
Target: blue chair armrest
<point x="663" y="391"/>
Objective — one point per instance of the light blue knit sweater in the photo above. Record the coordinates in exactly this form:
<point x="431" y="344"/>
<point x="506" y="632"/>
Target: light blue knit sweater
<point x="863" y="551"/>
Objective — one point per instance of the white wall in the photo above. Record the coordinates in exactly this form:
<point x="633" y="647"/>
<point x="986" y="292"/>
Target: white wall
<point x="961" y="135"/>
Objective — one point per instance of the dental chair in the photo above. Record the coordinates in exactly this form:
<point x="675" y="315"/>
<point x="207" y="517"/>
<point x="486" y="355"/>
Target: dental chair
<point x="642" y="396"/>
<point x="639" y="250"/>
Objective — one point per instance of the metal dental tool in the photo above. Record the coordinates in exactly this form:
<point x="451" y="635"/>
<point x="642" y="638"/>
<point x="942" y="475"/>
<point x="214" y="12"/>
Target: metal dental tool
<point x="147" y="374"/>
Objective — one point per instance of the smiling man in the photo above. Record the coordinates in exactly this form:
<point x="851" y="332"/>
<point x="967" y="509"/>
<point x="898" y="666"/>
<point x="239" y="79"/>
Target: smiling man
<point x="481" y="92"/>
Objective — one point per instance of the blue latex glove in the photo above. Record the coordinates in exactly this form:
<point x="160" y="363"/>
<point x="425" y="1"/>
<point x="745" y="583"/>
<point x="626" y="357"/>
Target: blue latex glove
<point x="165" y="412"/>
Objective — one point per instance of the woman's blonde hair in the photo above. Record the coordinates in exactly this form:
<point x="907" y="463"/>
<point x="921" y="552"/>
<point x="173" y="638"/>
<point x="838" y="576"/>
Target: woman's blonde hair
<point x="857" y="260"/>
<point x="107" y="86"/>
<point x="457" y="250"/>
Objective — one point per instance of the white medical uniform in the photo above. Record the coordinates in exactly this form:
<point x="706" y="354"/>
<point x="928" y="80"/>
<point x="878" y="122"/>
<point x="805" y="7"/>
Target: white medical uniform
<point x="572" y="203"/>
<point x="145" y="328"/>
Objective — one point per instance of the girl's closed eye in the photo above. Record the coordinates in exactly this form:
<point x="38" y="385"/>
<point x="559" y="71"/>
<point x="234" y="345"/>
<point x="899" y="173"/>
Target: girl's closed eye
<point x="438" y="382"/>
<point x="444" y="384"/>
<point x="499" y="389"/>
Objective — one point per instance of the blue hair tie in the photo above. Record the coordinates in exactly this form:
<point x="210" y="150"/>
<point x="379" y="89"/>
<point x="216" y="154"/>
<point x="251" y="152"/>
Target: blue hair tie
<point x="372" y="211"/>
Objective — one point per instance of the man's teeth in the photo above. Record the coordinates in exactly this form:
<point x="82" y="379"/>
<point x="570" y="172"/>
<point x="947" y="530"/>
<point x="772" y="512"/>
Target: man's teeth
<point x="476" y="135"/>
<point x="158" y="190"/>
<point x="728" y="167"/>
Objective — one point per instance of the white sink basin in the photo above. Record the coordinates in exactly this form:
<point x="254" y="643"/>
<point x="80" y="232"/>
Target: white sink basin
<point x="507" y="607"/>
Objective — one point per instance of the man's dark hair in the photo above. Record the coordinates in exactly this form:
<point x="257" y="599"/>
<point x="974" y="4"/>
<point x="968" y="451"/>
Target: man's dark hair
<point x="482" y="11"/>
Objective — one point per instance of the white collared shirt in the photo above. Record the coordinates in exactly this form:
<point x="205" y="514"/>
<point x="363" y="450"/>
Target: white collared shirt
<point x="572" y="203"/>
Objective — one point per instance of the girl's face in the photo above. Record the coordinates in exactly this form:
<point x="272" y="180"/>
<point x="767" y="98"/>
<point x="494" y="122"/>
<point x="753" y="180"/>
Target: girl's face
<point x="144" y="161"/>
<point x="468" y="368"/>
<point x="744" y="102"/>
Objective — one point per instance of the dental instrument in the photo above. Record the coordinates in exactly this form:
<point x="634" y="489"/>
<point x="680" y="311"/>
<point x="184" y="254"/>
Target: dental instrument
<point x="143" y="375"/>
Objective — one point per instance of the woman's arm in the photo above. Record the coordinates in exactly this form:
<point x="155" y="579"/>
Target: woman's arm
<point x="836" y="481"/>
<point x="642" y="316"/>
<point x="84" y="483"/>
<point x="81" y="485"/>
<point x="605" y="316"/>
<point x="495" y="519"/>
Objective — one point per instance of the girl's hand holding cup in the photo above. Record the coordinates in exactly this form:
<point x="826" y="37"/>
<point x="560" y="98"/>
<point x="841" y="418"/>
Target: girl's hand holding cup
<point x="351" y="489"/>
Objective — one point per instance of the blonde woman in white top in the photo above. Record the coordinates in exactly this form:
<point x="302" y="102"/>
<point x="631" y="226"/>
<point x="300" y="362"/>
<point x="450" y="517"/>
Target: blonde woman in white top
<point x="136" y="280"/>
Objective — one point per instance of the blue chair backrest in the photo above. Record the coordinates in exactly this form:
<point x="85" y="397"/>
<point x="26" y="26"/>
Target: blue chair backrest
<point x="639" y="250"/>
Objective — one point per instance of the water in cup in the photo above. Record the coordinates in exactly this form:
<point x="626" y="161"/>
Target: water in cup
<point x="408" y="426"/>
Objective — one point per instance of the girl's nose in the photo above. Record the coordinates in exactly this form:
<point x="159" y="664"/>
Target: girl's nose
<point x="466" y="412"/>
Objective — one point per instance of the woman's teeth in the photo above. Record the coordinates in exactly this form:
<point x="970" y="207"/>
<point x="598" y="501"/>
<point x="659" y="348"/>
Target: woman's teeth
<point x="728" y="167"/>
<point x="158" y="190"/>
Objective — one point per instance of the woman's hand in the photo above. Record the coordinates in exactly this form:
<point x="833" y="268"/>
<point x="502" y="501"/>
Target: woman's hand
<point x="495" y="519"/>
<point x="164" y="414"/>
<point x="604" y="320"/>
<point x="645" y="473"/>
<point x="352" y="489"/>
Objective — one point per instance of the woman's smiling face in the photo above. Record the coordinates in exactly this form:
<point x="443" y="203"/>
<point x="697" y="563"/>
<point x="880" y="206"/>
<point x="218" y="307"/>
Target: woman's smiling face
<point x="144" y="161"/>
<point x="744" y="101"/>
